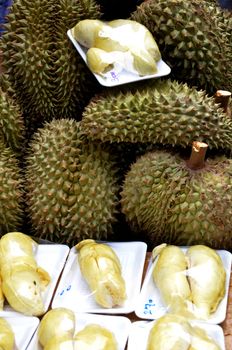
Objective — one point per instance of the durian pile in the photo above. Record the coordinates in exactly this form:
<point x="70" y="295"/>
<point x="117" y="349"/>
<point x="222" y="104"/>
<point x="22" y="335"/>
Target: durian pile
<point x="79" y="161"/>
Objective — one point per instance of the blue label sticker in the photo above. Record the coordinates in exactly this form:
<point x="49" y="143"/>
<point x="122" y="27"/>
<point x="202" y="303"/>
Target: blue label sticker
<point x="149" y="307"/>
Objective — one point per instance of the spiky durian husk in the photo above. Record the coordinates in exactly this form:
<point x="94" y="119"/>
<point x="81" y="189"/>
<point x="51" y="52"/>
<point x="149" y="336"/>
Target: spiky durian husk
<point x="71" y="185"/>
<point x="11" y="122"/>
<point x="11" y="191"/>
<point x="169" y="202"/>
<point x="194" y="38"/>
<point x="163" y="112"/>
<point x="42" y="64"/>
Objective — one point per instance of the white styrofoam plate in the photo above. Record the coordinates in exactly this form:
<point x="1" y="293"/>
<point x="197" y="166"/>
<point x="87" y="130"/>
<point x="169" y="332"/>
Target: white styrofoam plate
<point x="23" y="328"/>
<point x="139" y="333"/>
<point x="118" y="325"/>
<point x="150" y="304"/>
<point x="74" y="293"/>
<point x="50" y="257"/>
<point x="112" y="78"/>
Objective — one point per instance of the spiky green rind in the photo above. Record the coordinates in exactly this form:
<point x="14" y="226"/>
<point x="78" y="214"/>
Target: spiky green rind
<point x="169" y="202"/>
<point x="11" y="192"/>
<point x="74" y="83"/>
<point x="72" y="190"/>
<point x="45" y="69"/>
<point x="164" y="112"/>
<point x="11" y="122"/>
<point x="194" y="38"/>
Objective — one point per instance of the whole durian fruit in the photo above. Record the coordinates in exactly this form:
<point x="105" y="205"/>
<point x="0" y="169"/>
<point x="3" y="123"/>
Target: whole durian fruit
<point x="49" y="76"/>
<point x="177" y="201"/>
<point x="11" y="122"/>
<point x="11" y="193"/>
<point x="163" y="112"/>
<point x="71" y="184"/>
<point x="192" y="40"/>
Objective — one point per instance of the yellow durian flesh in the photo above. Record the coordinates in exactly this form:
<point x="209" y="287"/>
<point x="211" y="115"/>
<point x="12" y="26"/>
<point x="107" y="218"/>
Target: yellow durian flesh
<point x="201" y="341"/>
<point x="101" y="269"/>
<point x="7" y="338"/>
<point x="16" y="247"/>
<point x="147" y="42"/>
<point x="95" y="337"/>
<point x="169" y="275"/>
<point x="143" y="63"/>
<point x="86" y="31"/>
<point x="1" y="295"/>
<point x="21" y="287"/>
<point x="99" y="61"/>
<point x="207" y="279"/>
<point x="170" y="332"/>
<point x="56" y="322"/>
<point x="62" y="342"/>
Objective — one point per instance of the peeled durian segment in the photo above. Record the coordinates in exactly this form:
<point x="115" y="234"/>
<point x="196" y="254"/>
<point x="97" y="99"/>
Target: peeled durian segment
<point x="95" y="337"/>
<point x="22" y="280"/>
<point x="1" y="295"/>
<point x="100" y="61"/>
<point x="200" y="340"/>
<point x="7" y="338"/>
<point x="101" y="269"/>
<point x="60" y="342"/>
<point x="17" y="248"/>
<point x="87" y="30"/>
<point x="207" y="279"/>
<point x="170" y="332"/>
<point x="169" y="275"/>
<point x="143" y="63"/>
<point x="22" y="288"/>
<point x="55" y="323"/>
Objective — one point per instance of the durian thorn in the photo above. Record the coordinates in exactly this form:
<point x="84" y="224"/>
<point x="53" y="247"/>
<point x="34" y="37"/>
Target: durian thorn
<point x="223" y="98"/>
<point x="197" y="157"/>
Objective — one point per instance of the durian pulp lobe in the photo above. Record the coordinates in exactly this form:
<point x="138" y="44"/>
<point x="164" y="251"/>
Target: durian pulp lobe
<point x="7" y="337"/>
<point x="207" y="279"/>
<point x="101" y="268"/>
<point x="63" y="318"/>
<point x="95" y="337"/>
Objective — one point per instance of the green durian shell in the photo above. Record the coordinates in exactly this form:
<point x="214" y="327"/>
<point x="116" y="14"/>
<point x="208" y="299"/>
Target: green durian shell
<point x="12" y="123"/>
<point x="50" y="79"/>
<point x="64" y="321"/>
<point x="169" y="202"/>
<point x="164" y="112"/>
<point x="22" y="289"/>
<point x="7" y="338"/>
<point x="11" y="194"/>
<point x="194" y="38"/>
<point x="72" y="185"/>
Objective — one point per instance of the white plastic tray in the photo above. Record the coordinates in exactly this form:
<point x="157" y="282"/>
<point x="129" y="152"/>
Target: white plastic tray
<point x="74" y="293"/>
<point x="150" y="304"/>
<point x="52" y="258"/>
<point x="124" y="77"/>
<point x="118" y="325"/>
<point x="23" y="328"/>
<point x="139" y="333"/>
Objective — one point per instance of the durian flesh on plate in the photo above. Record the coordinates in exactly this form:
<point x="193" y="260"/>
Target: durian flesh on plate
<point x="101" y="268"/>
<point x="175" y="332"/>
<point x="191" y="283"/>
<point x="7" y="338"/>
<point x="95" y="337"/>
<point x="22" y="281"/>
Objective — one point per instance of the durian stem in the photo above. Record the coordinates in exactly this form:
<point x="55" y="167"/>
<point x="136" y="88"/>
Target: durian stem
<point x="223" y="98"/>
<point x="197" y="157"/>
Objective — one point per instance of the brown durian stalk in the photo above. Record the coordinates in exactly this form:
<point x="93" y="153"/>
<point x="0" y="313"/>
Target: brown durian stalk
<point x="223" y="97"/>
<point x="169" y="275"/>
